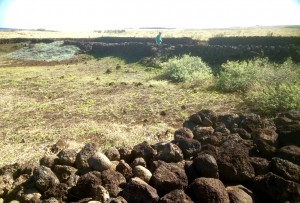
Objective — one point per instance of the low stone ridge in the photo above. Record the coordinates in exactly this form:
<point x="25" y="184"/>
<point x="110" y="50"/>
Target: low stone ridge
<point x="213" y="158"/>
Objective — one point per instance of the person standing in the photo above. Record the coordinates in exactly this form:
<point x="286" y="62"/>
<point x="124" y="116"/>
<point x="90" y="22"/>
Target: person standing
<point x="158" y="39"/>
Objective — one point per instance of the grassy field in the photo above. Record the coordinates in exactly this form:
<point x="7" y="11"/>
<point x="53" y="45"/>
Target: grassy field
<point x="89" y="99"/>
<point x="84" y="102"/>
<point x="199" y="34"/>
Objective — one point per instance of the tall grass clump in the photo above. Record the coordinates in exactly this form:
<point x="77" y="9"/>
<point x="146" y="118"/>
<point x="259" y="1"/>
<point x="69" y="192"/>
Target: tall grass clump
<point x="268" y="87"/>
<point x="187" y="69"/>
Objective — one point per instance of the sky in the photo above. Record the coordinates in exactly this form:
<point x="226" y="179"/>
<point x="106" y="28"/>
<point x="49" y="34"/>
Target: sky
<point x="89" y="15"/>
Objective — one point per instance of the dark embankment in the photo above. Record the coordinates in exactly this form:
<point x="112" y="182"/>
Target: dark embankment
<point x="214" y="52"/>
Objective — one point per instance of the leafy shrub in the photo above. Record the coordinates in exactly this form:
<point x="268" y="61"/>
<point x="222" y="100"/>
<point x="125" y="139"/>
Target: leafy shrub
<point x="187" y="69"/>
<point x="268" y="87"/>
<point x="240" y="76"/>
<point x="281" y="97"/>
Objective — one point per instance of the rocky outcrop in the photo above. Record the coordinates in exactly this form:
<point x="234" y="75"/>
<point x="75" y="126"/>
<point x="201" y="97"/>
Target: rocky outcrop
<point x="213" y="158"/>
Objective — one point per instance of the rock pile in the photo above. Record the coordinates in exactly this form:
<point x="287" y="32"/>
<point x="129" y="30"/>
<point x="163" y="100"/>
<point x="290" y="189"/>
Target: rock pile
<point x="213" y="158"/>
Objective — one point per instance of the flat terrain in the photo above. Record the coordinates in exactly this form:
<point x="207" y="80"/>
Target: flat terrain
<point x="101" y="100"/>
<point x="203" y="34"/>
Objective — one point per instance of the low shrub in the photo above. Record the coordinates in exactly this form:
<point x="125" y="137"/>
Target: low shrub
<point x="240" y="76"/>
<point x="268" y="87"/>
<point x="187" y="69"/>
<point x="272" y="99"/>
<point x="244" y="76"/>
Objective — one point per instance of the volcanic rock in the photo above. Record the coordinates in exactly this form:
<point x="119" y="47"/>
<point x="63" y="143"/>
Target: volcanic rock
<point x="206" y="166"/>
<point x="277" y="188"/>
<point x="67" y="157"/>
<point x="138" y="191"/>
<point x="285" y="169"/>
<point x="239" y="194"/>
<point x="168" y="152"/>
<point x="83" y="156"/>
<point x="143" y="173"/>
<point x="208" y="190"/>
<point x="176" y="196"/>
<point x="44" y="178"/>
<point x="113" y="154"/>
<point x="169" y="176"/>
<point x="99" y="162"/>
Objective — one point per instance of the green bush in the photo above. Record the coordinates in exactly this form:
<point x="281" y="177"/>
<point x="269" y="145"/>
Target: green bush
<point x="240" y="76"/>
<point x="268" y="87"/>
<point x="245" y="76"/>
<point x="273" y="99"/>
<point x="187" y="69"/>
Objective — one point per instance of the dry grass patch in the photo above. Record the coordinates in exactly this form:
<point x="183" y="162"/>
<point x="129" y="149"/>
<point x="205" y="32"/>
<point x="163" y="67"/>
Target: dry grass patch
<point x="84" y="103"/>
<point x="199" y="34"/>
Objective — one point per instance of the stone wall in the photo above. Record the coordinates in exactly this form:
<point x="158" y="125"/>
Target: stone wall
<point x="212" y="158"/>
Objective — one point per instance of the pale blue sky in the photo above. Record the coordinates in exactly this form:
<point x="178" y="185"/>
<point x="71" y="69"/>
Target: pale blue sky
<point x="77" y="15"/>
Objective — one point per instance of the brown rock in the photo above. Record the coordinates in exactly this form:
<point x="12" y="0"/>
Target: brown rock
<point x="176" y="196"/>
<point x="266" y="141"/>
<point x="169" y="176"/>
<point x="230" y="120"/>
<point x="200" y="133"/>
<point x="67" y="157"/>
<point x="220" y="129"/>
<point x="168" y="152"/>
<point x="277" y="188"/>
<point x="59" y="192"/>
<point x="113" y="154"/>
<point x="124" y="169"/>
<point x="239" y="194"/>
<point x="59" y="145"/>
<point x="101" y="194"/>
<point x="183" y="133"/>
<point x="44" y="178"/>
<point x="196" y="119"/>
<point x="125" y="154"/>
<point x="64" y="172"/>
<point x="209" y="117"/>
<point x="206" y="166"/>
<point x="138" y="162"/>
<point x="144" y="150"/>
<point x="260" y="165"/>
<point x="290" y="153"/>
<point x="285" y="169"/>
<point x="143" y="173"/>
<point x="113" y="181"/>
<point x="289" y="134"/>
<point x="207" y="190"/>
<point x="234" y="163"/>
<point x="138" y="191"/>
<point x="82" y="157"/>
<point x="242" y="133"/>
<point x="251" y="122"/>
<point x="189" y="147"/>
<point x="49" y="161"/>
<point x="119" y="199"/>
<point x="86" y="183"/>
<point x="99" y="162"/>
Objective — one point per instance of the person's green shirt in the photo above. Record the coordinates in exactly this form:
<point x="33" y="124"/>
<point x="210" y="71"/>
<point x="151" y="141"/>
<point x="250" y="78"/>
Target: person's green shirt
<point x="158" y="39"/>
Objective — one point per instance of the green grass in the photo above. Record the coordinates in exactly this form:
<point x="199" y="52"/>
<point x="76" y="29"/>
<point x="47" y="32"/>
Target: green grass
<point x="83" y="103"/>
